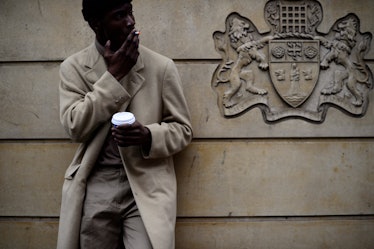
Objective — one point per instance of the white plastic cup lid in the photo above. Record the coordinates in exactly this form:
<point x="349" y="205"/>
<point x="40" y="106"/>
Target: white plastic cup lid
<point x="121" y="118"/>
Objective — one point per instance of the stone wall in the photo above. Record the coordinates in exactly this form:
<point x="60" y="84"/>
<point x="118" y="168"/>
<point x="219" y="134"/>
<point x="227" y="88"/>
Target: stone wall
<point x="242" y="183"/>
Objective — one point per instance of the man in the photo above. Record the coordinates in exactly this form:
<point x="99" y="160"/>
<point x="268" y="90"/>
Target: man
<point x="120" y="189"/>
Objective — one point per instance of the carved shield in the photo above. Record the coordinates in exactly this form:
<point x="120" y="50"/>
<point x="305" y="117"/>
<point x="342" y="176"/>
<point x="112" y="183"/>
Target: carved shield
<point x="294" y="69"/>
<point x="293" y="53"/>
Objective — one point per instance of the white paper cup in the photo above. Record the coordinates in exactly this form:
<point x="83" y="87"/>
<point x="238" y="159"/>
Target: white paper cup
<point x="121" y="118"/>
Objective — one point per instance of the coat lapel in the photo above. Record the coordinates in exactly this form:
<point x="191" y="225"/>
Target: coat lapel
<point x="94" y="64"/>
<point x="133" y="81"/>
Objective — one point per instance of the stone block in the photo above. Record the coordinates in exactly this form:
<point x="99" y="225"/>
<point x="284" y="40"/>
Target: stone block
<point x="276" y="178"/>
<point x="31" y="177"/>
<point x="208" y="122"/>
<point x="48" y="30"/>
<point x="52" y="30"/>
<point x="280" y="234"/>
<point x="31" y="234"/>
<point x="216" y="178"/>
<point x="29" y="101"/>
<point x="29" y="108"/>
<point x="219" y="233"/>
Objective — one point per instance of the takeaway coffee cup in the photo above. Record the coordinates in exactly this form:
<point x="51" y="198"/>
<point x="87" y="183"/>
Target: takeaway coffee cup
<point x="121" y="118"/>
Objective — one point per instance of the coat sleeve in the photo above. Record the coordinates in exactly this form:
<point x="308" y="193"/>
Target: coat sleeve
<point x="174" y="132"/>
<point x="84" y="106"/>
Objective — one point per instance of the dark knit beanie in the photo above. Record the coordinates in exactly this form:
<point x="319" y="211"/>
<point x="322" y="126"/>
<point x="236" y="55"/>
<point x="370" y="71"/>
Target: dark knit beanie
<point x="98" y="8"/>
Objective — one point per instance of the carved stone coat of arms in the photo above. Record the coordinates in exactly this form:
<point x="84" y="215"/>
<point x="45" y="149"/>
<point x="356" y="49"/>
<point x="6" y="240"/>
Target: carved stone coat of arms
<point x="293" y="71"/>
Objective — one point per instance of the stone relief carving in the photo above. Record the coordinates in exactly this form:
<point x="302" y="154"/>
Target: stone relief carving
<point x="293" y="71"/>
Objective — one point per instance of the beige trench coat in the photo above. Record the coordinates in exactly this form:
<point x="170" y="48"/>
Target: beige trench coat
<point x="89" y="95"/>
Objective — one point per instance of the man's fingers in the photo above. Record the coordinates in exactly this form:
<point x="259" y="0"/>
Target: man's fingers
<point x="107" y="51"/>
<point x="127" y="42"/>
<point x="131" y="42"/>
